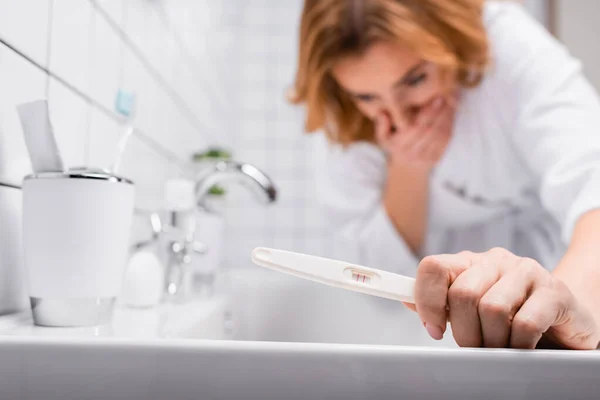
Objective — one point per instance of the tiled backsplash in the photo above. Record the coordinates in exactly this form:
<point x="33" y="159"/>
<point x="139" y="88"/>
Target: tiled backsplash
<point x="268" y="132"/>
<point x="78" y="54"/>
<point x="204" y="72"/>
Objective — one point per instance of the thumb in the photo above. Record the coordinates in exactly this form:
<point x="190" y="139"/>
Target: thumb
<point x="435" y="274"/>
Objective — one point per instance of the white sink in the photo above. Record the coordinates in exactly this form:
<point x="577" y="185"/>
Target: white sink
<point x="269" y="306"/>
<point x="276" y="338"/>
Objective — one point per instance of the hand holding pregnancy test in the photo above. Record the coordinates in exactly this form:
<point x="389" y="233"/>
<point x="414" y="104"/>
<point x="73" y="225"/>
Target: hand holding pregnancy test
<point x="337" y="273"/>
<point x="491" y="299"/>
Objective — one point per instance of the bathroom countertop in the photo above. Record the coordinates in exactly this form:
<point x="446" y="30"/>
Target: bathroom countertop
<point x="163" y="321"/>
<point x="144" y="353"/>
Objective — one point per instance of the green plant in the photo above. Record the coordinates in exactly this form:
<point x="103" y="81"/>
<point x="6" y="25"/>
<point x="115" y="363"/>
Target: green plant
<point x="213" y="153"/>
<point x="216" y="191"/>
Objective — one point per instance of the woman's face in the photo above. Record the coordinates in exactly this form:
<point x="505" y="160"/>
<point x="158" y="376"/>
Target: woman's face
<point x="389" y="78"/>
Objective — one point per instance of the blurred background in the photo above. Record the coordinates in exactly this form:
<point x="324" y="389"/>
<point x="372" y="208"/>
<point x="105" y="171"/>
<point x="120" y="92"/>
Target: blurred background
<point x="204" y="73"/>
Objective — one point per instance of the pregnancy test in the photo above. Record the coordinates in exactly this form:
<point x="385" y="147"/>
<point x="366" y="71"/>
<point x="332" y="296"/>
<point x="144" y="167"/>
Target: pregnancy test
<point x="337" y="273"/>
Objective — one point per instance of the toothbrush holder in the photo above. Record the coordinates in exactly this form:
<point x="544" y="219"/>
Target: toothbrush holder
<point x="76" y="231"/>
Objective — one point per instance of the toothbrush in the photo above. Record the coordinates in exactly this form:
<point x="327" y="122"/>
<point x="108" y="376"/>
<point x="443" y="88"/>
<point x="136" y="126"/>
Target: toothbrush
<point x="121" y="146"/>
<point x="124" y="105"/>
<point x="337" y="273"/>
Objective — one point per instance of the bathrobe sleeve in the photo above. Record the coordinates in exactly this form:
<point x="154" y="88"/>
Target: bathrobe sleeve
<point x="556" y="126"/>
<point x="352" y="184"/>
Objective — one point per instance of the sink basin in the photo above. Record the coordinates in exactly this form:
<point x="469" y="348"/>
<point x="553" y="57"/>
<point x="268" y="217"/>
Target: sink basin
<point x="275" y="337"/>
<point x="270" y="306"/>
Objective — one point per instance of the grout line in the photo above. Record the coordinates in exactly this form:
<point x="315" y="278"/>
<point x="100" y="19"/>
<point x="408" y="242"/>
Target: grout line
<point x="9" y="185"/>
<point x="160" y="149"/>
<point x="156" y="146"/>
<point x="184" y="50"/>
<point x="170" y="91"/>
<point x="90" y="72"/>
<point x="121" y="61"/>
<point x="270" y="148"/>
<point x="61" y="80"/>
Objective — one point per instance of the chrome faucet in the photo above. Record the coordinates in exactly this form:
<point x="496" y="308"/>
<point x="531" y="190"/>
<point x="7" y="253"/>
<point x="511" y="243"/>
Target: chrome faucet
<point x="174" y="230"/>
<point x="230" y="171"/>
<point x="180" y="246"/>
<point x="181" y="226"/>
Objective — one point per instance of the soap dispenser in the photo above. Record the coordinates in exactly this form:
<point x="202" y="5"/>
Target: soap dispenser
<point x="144" y="280"/>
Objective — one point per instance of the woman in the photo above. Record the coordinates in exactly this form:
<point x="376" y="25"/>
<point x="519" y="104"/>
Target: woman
<point x="458" y="126"/>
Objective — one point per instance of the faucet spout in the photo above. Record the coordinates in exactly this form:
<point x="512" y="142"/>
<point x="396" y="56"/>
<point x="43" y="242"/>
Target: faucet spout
<point x="230" y="171"/>
<point x="175" y="231"/>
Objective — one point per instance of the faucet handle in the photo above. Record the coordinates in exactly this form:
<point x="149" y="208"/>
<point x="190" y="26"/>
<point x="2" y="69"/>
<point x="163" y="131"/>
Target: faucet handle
<point x="156" y="224"/>
<point x="195" y="246"/>
<point x="199" y="247"/>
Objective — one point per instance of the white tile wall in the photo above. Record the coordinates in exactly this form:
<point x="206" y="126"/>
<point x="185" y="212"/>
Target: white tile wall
<point x="115" y="10"/>
<point x="71" y="41"/>
<point x="104" y="135"/>
<point x="24" y="83"/>
<point x="203" y="71"/>
<point x="12" y="288"/>
<point x="268" y="132"/>
<point x="19" y="24"/>
<point x="70" y="119"/>
<point x="78" y="53"/>
<point x="107" y="61"/>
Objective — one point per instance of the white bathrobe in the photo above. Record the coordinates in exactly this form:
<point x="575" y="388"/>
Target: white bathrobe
<point x="522" y="166"/>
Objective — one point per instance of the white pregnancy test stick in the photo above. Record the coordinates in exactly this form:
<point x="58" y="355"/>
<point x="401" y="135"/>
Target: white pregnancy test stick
<point x="337" y="273"/>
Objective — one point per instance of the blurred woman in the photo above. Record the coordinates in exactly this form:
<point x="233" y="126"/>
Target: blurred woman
<point x="456" y="127"/>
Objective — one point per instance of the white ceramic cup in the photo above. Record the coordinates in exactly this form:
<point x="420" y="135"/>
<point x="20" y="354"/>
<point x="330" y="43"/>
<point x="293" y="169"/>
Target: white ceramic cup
<point x="76" y="231"/>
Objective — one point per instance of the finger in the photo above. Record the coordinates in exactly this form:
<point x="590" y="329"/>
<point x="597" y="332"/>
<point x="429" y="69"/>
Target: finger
<point x="415" y="138"/>
<point x="428" y="113"/>
<point x="540" y="311"/>
<point x="435" y="151"/>
<point x="398" y="120"/>
<point x="444" y="120"/>
<point x="439" y="142"/>
<point x="414" y="134"/>
<point x="422" y="143"/>
<point x="440" y="121"/>
<point x="553" y="310"/>
<point x="410" y="306"/>
<point x="463" y="300"/>
<point x="499" y="305"/>
<point x="404" y="137"/>
<point x="435" y="274"/>
<point x="382" y="129"/>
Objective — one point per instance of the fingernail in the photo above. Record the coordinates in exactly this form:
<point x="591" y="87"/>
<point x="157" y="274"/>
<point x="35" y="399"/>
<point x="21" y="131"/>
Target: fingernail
<point x="435" y="332"/>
